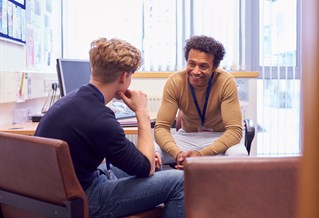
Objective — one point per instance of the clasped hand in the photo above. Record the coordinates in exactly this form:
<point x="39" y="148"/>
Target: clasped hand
<point x="181" y="157"/>
<point x="158" y="161"/>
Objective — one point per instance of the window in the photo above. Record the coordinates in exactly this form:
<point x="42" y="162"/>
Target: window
<point x="158" y="28"/>
<point x="84" y="21"/>
<point x="278" y="89"/>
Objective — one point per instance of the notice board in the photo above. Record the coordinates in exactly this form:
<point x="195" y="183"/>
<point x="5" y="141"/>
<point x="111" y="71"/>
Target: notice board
<point x="12" y="20"/>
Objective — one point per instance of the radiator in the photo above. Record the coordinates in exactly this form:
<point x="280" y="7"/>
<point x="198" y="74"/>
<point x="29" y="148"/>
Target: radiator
<point x="154" y="103"/>
<point x="132" y="138"/>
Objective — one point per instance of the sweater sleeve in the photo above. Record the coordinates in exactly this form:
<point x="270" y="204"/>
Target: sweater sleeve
<point x="165" y="118"/>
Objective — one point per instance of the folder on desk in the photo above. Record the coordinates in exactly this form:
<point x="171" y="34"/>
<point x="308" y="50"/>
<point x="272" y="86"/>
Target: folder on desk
<point x="124" y="115"/>
<point x="125" y="123"/>
<point x="121" y="110"/>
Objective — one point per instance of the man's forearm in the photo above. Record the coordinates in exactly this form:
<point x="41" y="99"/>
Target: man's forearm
<point x="145" y="140"/>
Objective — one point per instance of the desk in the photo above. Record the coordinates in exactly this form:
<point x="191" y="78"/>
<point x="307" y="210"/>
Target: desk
<point x="29" y="128"/>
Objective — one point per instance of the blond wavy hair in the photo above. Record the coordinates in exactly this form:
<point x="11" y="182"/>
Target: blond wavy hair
<point x="110" y="58"/>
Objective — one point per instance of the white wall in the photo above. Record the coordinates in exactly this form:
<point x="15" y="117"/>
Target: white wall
<point x="12" y="57"/>
<point x="13" y="62"/>
<point x="153" y="87"/>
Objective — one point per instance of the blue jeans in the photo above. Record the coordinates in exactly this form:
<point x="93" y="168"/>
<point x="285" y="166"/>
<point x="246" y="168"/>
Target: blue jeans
<point x="129" y="194"/>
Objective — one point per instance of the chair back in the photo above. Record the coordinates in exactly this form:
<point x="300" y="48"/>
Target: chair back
<point x="247" y="187"/>
<point x="38" y="179"/>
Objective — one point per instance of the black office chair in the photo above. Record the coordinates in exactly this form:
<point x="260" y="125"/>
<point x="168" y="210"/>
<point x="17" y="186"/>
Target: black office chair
<point x="249" y="129"/>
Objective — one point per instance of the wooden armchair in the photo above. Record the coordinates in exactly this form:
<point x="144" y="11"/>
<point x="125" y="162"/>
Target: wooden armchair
<point x="37" y="179"/>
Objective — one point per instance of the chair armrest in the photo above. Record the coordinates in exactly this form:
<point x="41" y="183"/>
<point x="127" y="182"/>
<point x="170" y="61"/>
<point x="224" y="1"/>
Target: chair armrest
<point x="249" y="133"/>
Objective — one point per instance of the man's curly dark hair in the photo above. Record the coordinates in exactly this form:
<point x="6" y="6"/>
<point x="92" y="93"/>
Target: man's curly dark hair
<point x="208" y="45"/>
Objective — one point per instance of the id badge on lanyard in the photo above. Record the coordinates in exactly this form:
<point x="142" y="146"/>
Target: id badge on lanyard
<point x="204" y="129"/>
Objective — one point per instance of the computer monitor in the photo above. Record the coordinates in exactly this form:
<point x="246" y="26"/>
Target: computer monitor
<point x="72" y="74"/>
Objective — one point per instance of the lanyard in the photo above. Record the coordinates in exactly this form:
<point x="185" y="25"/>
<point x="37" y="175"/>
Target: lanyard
<point x="209" y="86"/>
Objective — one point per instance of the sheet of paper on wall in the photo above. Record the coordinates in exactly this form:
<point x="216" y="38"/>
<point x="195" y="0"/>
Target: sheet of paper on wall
<point x="4" y="19"/>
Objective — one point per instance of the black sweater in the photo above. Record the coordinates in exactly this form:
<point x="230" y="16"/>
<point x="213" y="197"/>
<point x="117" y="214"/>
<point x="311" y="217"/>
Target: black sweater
<point x="92" y="133"/>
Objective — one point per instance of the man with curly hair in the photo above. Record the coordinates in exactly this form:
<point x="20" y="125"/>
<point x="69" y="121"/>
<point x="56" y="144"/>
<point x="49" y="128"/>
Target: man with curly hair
<point x="206" y="96"/>
<point x="127" y="183"/>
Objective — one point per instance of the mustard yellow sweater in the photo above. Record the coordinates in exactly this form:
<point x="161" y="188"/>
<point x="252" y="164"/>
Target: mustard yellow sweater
<point x="223" y="112"/>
